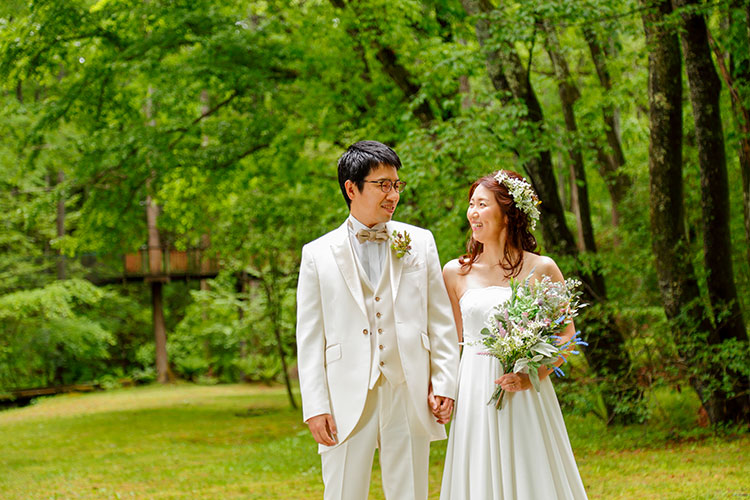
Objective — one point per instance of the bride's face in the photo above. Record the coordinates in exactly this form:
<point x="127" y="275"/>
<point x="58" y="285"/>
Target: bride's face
<point x="485" y="216"/>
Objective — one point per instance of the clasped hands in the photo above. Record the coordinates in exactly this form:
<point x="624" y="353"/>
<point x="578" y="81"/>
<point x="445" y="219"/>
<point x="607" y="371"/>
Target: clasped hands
<point x="323" y="427"/>
<point x="441" y="407"/>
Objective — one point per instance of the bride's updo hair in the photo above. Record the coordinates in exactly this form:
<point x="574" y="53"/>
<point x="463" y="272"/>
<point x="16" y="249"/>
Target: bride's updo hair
<point x="518" y="237"/>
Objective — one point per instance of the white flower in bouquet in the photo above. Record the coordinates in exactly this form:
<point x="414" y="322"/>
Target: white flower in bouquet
<point x="522" y="331"/>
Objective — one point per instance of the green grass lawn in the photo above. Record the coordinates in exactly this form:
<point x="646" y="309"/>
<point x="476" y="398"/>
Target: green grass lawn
<point x="242" y="441"/>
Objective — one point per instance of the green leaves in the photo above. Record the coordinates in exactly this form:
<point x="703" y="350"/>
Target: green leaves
<point x="232" y="114"/>
<point x="46" y="336"/>
<point x="56" y="300"/>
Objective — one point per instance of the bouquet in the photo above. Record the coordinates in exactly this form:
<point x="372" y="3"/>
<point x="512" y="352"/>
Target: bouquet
<point x="522" y="331"/>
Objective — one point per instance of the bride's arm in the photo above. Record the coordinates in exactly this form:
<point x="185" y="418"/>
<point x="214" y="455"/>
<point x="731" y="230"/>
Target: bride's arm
<point x="450" y="276"/>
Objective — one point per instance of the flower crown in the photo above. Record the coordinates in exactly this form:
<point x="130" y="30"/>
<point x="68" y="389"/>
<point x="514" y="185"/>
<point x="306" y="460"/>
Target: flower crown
<point x="523" y="196"/>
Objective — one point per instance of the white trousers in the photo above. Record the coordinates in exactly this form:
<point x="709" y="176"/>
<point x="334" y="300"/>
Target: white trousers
<point x="388" y="422"/>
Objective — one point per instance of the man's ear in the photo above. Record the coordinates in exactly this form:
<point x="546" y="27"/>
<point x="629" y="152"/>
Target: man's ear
<point x="351" y="189"/>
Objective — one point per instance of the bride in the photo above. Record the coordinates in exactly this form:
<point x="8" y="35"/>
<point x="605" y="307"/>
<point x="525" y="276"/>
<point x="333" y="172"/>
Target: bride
<point x="521" y="452"/>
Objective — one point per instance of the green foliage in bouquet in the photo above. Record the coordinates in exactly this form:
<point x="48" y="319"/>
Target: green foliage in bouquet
<point x="522" y="332"/>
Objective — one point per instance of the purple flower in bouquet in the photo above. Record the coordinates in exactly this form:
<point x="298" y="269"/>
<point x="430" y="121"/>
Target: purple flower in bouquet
<point x="522" y="331"/>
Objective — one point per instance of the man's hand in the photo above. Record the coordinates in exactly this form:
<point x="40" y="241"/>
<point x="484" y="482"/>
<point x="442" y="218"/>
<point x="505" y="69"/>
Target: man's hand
<point x="323" y="429"/>
<point x="441" y="407"/>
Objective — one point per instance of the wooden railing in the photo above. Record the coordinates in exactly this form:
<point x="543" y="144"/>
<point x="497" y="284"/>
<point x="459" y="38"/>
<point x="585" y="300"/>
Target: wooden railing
<point x="168" y="263"/>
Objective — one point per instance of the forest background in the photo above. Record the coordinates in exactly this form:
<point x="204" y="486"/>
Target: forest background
<point x="137" y="134"/>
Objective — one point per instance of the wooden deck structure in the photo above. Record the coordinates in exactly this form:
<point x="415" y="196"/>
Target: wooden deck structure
<point x="22" y="397"/>
<point x="150" y="264"/>
<point x="154" y="266"/>
<point x="161" y="264"/>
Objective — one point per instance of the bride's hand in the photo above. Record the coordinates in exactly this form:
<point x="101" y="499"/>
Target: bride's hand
<point x="514" y="382"/>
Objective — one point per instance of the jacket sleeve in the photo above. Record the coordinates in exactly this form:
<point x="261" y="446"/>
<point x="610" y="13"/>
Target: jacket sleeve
<point x="311" y="340"/>
<point x="441" y="328"/>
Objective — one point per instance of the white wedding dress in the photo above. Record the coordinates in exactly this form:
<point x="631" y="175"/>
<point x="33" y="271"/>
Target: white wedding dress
<point x="521" y="452"/>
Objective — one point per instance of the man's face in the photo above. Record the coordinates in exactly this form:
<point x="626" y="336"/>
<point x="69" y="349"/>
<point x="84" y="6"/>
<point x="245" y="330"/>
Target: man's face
<point x="373" y="206"/>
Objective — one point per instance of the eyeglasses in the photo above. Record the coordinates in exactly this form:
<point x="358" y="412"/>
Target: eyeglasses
<point x="386" y="185"/>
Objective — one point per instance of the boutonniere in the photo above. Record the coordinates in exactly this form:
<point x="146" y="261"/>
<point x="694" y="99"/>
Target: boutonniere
<point x="401" y="243"/>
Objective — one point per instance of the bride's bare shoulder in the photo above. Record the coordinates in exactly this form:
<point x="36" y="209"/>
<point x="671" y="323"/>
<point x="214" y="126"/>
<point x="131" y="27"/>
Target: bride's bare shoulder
<point x="452" y="269"/>
<point x="543" y="266"/>
<point x="452" y="276"/>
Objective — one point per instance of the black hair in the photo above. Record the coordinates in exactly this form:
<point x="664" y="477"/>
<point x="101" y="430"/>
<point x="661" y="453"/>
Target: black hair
<point x="361" y="157"/>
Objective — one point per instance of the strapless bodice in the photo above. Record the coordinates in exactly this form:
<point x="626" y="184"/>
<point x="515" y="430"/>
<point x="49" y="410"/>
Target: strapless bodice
<point x="475" y="305"/>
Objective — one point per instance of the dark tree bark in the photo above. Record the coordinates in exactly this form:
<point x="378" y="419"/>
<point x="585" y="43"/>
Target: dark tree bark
<point x="705" y="88"/>
<point x="678" y="284"/>
<point x="610" y="163"/>
<point x="510" y="79"/>
<point x="610" y="361"/>
<point x="569" y="94"/>
<point x="737" y="80"/>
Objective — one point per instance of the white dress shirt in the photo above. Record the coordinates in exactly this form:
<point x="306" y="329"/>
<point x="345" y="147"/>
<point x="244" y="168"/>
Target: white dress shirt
<point x="371" y="254"/>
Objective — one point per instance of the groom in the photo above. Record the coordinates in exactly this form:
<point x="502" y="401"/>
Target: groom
<point x="377" y="347"/>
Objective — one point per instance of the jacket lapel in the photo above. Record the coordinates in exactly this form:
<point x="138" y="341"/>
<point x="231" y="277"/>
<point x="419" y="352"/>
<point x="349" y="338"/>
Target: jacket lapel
<point x="344" y="257"/>
<point x="396" y="266"/>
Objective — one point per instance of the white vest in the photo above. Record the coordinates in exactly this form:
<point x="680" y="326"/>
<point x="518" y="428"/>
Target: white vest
<point x="384" y="357"/>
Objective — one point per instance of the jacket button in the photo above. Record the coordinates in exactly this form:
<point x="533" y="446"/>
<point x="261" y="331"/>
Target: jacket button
<point x="382" y="363"/>
<point x="381" y="346"/>
<point x="377" y="299"/>
<point x="364" y="331"/>
<point x="378" y="315"/>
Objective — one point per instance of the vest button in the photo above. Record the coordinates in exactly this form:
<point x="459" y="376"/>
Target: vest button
<point x="378" y="315"/>
<point x="364" y="331"/>
<point x="377" y="299"/>
<point x="382" y="363"/>
<point x="381" y="346"/>
<point x="380" y="330"/>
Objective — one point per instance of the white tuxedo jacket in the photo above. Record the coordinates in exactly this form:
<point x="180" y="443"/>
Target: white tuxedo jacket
<point x="333" y="354"/>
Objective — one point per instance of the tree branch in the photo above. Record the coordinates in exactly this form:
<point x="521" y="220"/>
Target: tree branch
<point x="202" y="117"/>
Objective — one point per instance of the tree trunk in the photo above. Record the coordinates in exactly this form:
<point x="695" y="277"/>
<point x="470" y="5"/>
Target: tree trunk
<point x="154" y="246"/>
<point x="610" y="360"/>
<point x="569" y="94"/>
<point x="241" y="289"/>
<point x="745" y="144"/>
<point x="155" y="269"/>
<point x="510" y="79"/>
<point x="61" y="271"/>
<point x="610" y="163"/>
<point x="464" y="88"/>
<point x="274" y="308"/>
<point x="155" y="258"/>
<point x="678" y="284"/>
<point x="736" y="79"/>
<point x="705" y="88"/>
<point x="160" y="333"/>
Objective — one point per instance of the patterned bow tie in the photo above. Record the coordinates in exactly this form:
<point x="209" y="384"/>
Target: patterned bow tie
<point x="376" y="235"/>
